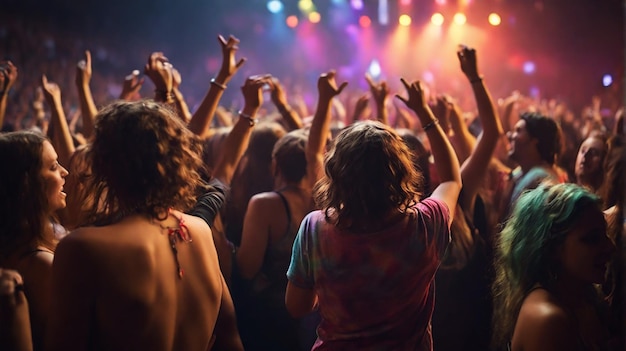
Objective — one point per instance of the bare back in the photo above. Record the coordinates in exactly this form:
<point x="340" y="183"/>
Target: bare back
<point x="117" y="287"/>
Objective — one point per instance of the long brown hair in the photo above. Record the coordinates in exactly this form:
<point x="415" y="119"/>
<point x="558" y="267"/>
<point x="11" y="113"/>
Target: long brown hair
<point x="368" y="172"/>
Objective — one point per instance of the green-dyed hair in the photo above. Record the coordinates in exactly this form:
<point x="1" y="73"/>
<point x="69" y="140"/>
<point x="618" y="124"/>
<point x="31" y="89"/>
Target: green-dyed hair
<point x="526" y="247"/>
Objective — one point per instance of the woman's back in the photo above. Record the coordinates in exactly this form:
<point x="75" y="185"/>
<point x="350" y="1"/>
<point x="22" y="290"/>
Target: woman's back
<point x="128" y="276"/>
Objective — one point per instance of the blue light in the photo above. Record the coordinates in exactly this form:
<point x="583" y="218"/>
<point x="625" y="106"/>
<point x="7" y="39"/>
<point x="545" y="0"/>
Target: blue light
<point x="374" y="69"/>
<point x="274" y="6"/>
<point x="607" y="80"/>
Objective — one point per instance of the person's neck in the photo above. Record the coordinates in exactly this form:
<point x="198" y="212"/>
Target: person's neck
<point x="592" y="183"/>
<point x="572" y="293"/>
<point x="299" y="187"/>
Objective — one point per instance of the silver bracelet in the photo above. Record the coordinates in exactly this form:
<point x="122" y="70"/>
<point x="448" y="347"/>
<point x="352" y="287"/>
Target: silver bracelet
<point x="252" y="121"/>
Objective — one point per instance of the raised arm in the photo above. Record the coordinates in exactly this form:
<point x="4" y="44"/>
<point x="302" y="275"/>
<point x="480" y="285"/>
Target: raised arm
<point x="179" y="99"/>
<point x="131" y="86"/>
<point x="445" y="159"/>
<point x="88" y="108"/>
<point x="461" y="139"/>
<point x="201" y="119"/>
<point x="159" y="70"/>
<point x="61" y="137"/>
<point x="8" y="76"/>
<point x="233" y="149"/>
<point x="380" y="93"/>
<point x="320" y="127"/>
<point x="475" y="168"/>
<point x="279" y="98"/>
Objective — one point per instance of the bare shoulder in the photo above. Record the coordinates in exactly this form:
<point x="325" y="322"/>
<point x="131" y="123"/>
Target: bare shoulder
<point x="265" y="202"/>
<point x="543" y="324"/>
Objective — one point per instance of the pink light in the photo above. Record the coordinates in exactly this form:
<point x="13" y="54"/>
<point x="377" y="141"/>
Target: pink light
<point x="405" y="2"/>
<point x="440" y="2"/>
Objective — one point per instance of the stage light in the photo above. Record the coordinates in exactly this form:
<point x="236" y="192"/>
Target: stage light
<point x="274" y="6"/>
<point x="374" y="69"/>
<point x="437" y="19"/>
<point x="383" y="12"/>
<point x="529" y="67"/>
<point x="405" y="2"/>
<point x="292" y="21"/>
<point x="460" y="18"/>
<point x="305" y="5"/>
<point x="357" y="4"/>
<point x="440" y="2"/>
<point x="607" y="80"/>
<point x="494" y="19"/>
<point x="404" y="20"/>
<point x="365" y="21"/>
<point x="314" y="17"/>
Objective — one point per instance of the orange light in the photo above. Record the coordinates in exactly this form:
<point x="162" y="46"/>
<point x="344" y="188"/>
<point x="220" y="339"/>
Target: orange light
<point x="404" y="20"/>
<point x="460" y="18"/>
<point x="292" y="21"/>
<point x="437" y="19"/>
<point x="494" y="19"/>
<point x="365" y="21"/>
<point x="314" y="17"/>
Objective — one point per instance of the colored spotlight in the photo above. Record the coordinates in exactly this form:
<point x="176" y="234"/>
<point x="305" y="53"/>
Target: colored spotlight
<point x="440" y="2"/>
<point x="374" y="69"/>
<point x="404" y="20"/>
<point x="305" y="5"/>
<point x="315" y="17"/>
<point x="460" y="18"/>
<point x="292" y="21"/>
<point x="437" y="19"/>
<point x="529" y="67"/>
<point x="494" y="19"/>
<point x="357" y="4"/>
<point x="607" y="80"/>
<point x="405" y="2"/>
<point x="365" y="21"/>
<point x="274" y="6"/>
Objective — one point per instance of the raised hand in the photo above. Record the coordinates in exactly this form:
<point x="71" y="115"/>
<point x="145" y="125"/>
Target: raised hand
<point x="83" y="70"/>
<point x="9" y="71"/>
<point x="131" y="86"/>
<point x="327" y="87"/>
<point x="469" y="65"/>
<point x="51" y="91"/>
<point x="416" y="100"/>
<point x="279" y="98"/>
<point x="230" y="65"/>
<point x="252" y="90"/>
<point x="380" y="91"/>
<point x="159" y="70"/>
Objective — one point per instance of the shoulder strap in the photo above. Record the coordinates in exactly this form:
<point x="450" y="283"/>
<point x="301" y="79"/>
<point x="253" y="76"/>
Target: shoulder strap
<point x="287" y="210"/>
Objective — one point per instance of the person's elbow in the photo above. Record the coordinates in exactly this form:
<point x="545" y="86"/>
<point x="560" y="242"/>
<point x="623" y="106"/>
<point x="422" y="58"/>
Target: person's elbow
<point x="299" y="301"/>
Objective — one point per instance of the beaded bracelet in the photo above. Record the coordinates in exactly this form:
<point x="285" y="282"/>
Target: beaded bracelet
<point x="218" y="84"/>
<point x="477" y="80"/>
<point x="165" y="96"/>
<point x="430" y="124"/>
<point x="251" y="121"/>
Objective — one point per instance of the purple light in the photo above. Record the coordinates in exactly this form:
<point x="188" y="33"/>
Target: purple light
<point x="607" y="80"/>
<point x="529" y="67"/>
<point x="357" y="4"/>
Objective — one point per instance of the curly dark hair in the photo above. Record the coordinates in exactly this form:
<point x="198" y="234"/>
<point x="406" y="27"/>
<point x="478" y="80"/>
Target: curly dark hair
<point x="23" y="200"/>
<point x="143" y="160"/>
<point x="368" y="172"/>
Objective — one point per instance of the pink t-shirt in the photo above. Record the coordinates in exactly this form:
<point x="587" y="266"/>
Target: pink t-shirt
<point x="375" y="290"/>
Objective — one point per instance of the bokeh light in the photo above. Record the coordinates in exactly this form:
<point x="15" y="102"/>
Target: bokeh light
<point x="494" y="19"/>
<point x="404" y="20"/>
<point x="460" y="18"/>
<point x="437" y="19"/>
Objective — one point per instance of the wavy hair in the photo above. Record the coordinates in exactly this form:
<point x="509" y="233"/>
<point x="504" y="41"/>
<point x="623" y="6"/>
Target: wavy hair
<point x="143" y="160"/>
<point x="548" y="135"/>
<point x="368" y="171"/>
<point x="526" y="247"/>
<point x="23" y="199"/>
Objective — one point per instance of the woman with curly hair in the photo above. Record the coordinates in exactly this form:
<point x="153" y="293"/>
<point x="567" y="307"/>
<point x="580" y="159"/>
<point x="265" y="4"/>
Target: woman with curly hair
<point x="368" y="258"/>
<point x="141" y="273"/>
<point x="31" y="191"/>
<point x="551" y="252"/>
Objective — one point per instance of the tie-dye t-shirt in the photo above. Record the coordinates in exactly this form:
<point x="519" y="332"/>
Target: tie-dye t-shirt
<point x="375" y="290"/>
